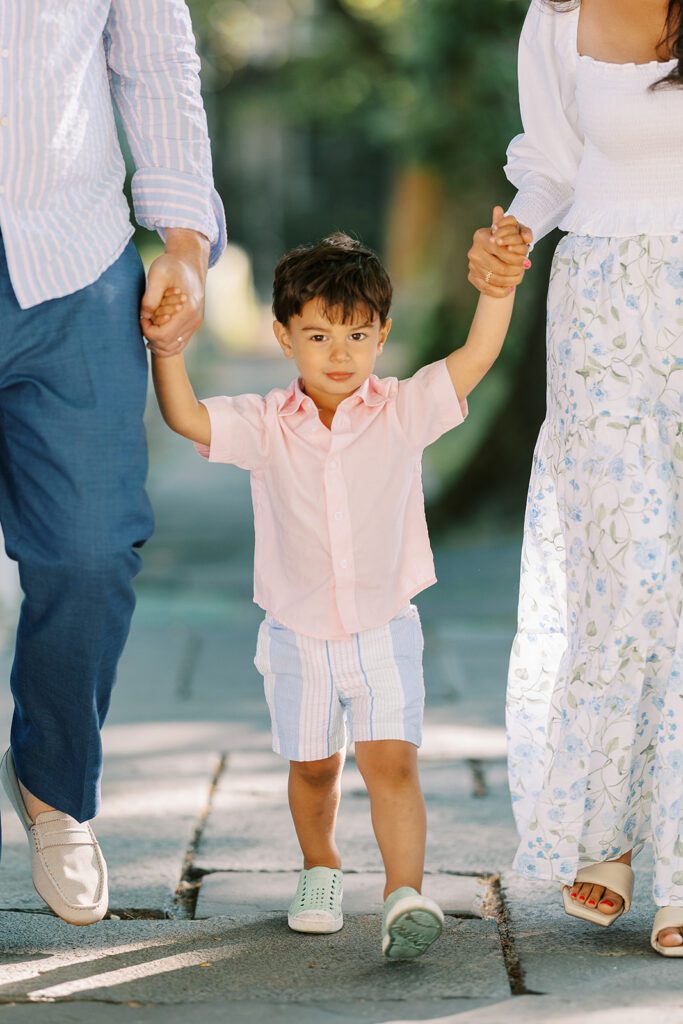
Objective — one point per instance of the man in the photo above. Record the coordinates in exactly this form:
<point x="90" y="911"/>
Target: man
<point x="73" y="374"/>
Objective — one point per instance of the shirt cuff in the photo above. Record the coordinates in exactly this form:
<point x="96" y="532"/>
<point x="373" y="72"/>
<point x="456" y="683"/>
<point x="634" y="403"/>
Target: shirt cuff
<point x="205" y="449"/>
<point x="225" y="438"/>
<point x="541" y="205"/>
<point x="453" y="409"/>
<point x="166" y="198"/>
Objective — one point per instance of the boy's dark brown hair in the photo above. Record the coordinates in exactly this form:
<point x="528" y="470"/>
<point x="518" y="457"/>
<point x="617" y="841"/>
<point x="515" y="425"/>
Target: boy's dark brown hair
<point x="344" y="274"/>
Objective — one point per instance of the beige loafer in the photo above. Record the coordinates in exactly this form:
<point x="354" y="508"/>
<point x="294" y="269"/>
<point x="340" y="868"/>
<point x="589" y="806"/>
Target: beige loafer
<point x="69" y="871"/>
<point x="611" y="875"/>
<point x="666" y="917"/>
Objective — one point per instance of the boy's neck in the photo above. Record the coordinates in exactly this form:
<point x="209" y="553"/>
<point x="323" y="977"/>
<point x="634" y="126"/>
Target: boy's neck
<point x="326" y="405"/>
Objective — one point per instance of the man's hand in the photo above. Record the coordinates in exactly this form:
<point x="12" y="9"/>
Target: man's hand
<point x="498" y="258"/>
<point x="172" y="307"/>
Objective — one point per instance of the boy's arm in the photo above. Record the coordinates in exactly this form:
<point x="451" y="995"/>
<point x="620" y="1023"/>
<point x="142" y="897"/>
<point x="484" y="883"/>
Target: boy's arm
<point x="467" y="365"/>
<point x="177" y="400"/>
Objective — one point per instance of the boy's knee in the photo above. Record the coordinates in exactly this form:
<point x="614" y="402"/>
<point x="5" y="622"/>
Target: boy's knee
<point x="317" y="773"/>
<point x="394" y="765"/>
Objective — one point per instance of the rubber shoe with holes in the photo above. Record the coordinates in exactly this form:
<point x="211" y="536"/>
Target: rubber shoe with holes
<point x="317" y="906"/>
<point x="410" y="924"/>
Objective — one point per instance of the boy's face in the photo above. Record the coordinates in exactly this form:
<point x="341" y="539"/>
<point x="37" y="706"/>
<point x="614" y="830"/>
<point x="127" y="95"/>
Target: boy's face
<point x="333" y="358"/>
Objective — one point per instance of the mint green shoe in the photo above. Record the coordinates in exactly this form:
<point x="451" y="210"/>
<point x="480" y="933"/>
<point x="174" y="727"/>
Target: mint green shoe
<point x="410" y="924"/>
<point x="317" y="906"/>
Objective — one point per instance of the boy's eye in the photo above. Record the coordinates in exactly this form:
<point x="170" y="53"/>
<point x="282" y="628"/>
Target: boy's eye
<point x="317" y="337"/>
<point x="358" y="336"/>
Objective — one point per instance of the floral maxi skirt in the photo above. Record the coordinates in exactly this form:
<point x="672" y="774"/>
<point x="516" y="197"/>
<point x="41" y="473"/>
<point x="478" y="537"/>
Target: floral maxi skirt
<point x="595" y="692"/>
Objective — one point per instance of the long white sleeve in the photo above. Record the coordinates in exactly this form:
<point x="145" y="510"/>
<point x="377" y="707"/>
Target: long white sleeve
<point x="543" y="161"/>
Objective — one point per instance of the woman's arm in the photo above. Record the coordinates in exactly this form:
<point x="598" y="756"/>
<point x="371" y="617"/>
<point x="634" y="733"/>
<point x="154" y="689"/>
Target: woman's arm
<point x="543" y="161"/>
<point x="177" y="400"/>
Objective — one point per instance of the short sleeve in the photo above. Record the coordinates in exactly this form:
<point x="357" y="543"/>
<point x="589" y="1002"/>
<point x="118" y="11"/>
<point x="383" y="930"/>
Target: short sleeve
<point x="543" y="162"/>
<point x="427" y="405"/>
<point x="238" y="431"/>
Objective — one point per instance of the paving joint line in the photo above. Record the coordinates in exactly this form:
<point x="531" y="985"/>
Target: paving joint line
<point x="187" y="890"/>
<point x="188" y="663"/>
<point x="479" y="786"/>
<point x="496" y="907"/>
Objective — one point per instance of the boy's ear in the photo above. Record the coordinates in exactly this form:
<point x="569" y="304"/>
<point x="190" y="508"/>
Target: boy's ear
<point x="282" y="336"/>
<point x="384" y="334"/>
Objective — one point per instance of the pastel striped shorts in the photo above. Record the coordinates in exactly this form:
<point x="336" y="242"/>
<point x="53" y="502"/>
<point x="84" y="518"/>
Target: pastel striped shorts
<point x="369" y="684"/>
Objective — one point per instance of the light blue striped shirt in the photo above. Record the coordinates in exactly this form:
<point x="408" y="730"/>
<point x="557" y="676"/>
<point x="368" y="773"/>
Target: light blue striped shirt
<point x="63" y="64"/>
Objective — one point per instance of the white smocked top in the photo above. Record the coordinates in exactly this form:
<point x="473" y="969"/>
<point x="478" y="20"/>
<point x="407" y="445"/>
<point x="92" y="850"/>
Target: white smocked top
<point x="601" y="154"/>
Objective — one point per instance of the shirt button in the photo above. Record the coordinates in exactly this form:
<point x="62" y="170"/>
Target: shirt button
<point x="333" y="463"/>
<point x="338" y="515"/>
<point x="2" y="190"/>
<point x="4" y="121"/>
<point x="4" y="53"/>
<point x="344" y="563"/>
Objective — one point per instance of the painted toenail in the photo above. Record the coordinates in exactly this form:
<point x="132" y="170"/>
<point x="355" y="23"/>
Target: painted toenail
<point x="591" y="903"/>
<point x="608" y="903"/>
<point x="582" y="897"/>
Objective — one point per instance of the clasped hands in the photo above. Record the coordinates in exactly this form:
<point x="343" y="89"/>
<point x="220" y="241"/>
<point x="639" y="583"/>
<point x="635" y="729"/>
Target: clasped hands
<point x="172" y="308"/>
<point x="499" y="256"/>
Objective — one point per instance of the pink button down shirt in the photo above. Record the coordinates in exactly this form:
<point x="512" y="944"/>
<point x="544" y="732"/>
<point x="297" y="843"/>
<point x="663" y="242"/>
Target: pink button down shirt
<point x="341" y="535"/>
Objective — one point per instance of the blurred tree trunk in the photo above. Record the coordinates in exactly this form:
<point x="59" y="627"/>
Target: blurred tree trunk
<point x="415" y="226"/>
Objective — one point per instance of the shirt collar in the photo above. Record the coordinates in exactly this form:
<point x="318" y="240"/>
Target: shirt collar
<point x="373" y="392"/>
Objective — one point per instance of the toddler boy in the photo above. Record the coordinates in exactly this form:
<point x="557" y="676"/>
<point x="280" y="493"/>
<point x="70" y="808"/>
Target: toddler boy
<point x="341" y="549"/>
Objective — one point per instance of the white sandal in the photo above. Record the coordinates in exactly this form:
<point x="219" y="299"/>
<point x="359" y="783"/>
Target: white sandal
<point x="666" y="917"/>
<point x="611" y="875"/>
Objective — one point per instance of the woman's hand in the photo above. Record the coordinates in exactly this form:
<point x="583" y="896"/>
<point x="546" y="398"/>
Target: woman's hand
<point x="498" y="258"/>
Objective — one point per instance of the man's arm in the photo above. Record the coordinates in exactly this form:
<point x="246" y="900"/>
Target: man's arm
<point x="154" y="73"/>
<point x="172" y="307"/>
<point x="177" y="400"/>
<point x="469" y="364"/>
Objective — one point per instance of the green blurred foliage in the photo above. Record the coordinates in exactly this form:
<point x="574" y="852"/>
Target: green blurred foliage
<point x="359" y="88"/>
<point x="319" y="110"/>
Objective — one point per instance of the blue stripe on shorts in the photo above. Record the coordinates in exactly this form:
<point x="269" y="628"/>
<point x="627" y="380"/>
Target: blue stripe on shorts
<point x="288" y="692"/>
<point x="407" y="641"/>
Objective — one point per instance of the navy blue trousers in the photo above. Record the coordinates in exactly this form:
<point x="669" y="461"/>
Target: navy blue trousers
<point x="73" y="462"/>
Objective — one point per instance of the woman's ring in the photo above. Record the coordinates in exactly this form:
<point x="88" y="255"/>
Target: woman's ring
<point x="487" y="276"/>
<point x="180" y="338"/>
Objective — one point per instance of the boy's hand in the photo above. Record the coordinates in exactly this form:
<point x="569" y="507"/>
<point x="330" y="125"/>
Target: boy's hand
<point x="172" y="302"/>
<point x="498" y="258"/>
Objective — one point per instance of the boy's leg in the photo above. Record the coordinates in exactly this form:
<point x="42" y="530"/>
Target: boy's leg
<point x="399" y="820"/>
<point x="314" y="799"/>
<point x="314" y="793"/>
<point x="410" y="922"/>
<point x="308" y="729"/>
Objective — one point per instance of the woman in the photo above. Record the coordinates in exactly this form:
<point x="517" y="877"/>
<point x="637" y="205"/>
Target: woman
<point x="595" y="699"/>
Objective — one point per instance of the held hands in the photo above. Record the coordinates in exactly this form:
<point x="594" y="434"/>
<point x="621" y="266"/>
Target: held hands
<point x="498" y="258"/>
<point x="172" y="307"/>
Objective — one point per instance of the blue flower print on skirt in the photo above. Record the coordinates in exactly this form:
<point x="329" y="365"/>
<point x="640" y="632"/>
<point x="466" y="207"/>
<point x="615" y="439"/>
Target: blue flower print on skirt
<point x="595" y="693"/>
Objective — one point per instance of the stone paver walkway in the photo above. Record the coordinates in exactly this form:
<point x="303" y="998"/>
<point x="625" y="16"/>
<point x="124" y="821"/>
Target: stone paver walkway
<point x="202" y="854"/>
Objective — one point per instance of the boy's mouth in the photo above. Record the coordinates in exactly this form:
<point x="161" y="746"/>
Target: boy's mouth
<point x="339" y="376"/>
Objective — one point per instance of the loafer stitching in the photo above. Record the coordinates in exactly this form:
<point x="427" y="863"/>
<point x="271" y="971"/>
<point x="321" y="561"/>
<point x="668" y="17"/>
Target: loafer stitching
<point x="55" y="882"/>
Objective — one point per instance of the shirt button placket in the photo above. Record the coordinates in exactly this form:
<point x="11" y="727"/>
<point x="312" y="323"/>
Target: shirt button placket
<point x="340" y="542"/>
